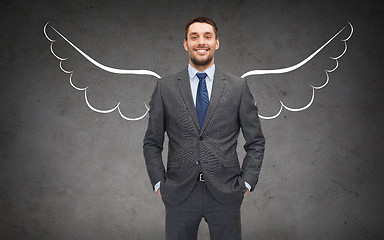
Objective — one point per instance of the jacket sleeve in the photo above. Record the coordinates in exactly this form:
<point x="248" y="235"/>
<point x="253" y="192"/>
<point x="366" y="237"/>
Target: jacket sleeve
<point x="154" y="137"/>
<point x="254" y="138"/>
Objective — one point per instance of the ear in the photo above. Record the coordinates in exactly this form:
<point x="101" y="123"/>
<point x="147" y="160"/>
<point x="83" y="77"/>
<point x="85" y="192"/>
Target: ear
<point x="217" y="43"/>
<point x="185" y="45"/>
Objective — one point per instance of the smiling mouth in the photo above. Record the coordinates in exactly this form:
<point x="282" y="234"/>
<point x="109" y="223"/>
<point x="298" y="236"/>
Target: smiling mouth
<point x="201" y="51"/>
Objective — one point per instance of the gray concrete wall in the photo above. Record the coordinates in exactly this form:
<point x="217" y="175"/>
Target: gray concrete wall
<point x="67" y="172"/>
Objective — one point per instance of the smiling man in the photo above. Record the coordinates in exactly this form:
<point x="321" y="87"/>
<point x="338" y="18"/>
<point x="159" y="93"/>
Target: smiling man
<point x="201" y="42"/>
<point x="202" y="111"/>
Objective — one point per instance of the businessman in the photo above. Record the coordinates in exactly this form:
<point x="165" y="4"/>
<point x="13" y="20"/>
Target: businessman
<point x="202" y="110"/>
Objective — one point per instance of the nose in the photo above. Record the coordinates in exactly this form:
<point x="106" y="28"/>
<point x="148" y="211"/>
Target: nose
<point x="201" y="40"/>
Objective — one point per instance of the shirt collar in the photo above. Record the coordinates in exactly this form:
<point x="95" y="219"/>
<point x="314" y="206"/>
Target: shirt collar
<point x="210" y="72"/>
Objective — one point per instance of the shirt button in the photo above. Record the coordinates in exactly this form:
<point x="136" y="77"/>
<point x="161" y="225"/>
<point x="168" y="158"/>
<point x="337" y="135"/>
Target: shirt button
<point x="201" y="138"/>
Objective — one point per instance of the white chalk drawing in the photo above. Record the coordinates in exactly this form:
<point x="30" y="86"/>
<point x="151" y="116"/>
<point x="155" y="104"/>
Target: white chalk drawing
<point x="151" y="73"/>
<point x="300" y="64"/>
<point x="108" y="69"/>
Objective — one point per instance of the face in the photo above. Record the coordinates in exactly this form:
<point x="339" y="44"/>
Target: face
<point x="201" y="45"/>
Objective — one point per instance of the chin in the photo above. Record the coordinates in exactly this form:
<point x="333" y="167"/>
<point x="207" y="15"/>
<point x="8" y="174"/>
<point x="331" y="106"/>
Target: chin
<point x="201" y="62"/>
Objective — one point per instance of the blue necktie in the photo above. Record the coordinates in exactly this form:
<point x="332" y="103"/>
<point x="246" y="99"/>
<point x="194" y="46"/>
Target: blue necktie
<point x="202" y="99"/>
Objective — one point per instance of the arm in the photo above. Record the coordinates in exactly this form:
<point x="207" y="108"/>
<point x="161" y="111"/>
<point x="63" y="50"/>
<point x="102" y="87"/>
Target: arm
<point x="154" y="138"/>
<point x="254" y="138"/>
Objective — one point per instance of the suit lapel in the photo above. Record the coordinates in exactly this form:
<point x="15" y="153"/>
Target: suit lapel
<point x="217" y="91"/>
<point x="185" y="89"/>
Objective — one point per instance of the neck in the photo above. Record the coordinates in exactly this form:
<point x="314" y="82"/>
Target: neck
<point x="201" y="68"/>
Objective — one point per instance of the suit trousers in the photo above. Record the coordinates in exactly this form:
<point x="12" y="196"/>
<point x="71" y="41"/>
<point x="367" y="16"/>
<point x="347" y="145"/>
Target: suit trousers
<point x="182" y="220"/>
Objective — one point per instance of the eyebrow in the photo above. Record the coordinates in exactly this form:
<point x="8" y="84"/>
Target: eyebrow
<point x="195" y="33"/>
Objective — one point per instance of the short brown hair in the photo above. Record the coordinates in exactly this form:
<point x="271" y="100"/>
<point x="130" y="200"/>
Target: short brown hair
<point x="200" y="19"/>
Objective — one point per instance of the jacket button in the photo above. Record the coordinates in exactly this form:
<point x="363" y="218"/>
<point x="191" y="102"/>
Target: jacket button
<point x="201" y="138"/>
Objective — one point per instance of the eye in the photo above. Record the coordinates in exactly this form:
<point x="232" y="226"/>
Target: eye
<point x="208" y="37"/>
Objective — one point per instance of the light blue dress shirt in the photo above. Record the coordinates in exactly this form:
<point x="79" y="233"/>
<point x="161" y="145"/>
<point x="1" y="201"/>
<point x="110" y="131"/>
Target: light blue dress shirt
<point x="194" y="80"/>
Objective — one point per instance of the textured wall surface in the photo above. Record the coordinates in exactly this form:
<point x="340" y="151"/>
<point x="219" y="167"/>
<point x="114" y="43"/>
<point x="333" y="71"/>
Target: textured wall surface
<point x="67" y="172"/>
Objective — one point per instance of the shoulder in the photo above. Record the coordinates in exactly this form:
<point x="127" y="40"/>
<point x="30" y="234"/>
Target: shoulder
<point x="172" y="79"/>
<point x="231" y="79"/>
<point x="175" y="76"/>
<point x="228" y="76"/>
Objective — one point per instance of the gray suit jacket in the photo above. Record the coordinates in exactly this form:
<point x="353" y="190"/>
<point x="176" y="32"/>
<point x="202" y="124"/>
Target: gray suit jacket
<point x="212" y="148"/>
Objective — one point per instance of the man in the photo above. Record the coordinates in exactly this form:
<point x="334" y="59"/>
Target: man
<point x="202" y="110"/>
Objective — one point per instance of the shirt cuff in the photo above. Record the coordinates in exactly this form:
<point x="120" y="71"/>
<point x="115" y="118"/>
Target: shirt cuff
<point x="157" y="186"/>
<point x="246" y="184"/>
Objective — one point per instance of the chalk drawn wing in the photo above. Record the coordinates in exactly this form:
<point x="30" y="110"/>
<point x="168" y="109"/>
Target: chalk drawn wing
<point x="151" y="73"/>
<point x="300" y="64"/>
<point x="101" y="66"/>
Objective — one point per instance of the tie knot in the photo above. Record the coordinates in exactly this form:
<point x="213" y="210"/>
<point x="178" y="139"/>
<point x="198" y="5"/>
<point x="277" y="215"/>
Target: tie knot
<point x="201" y="76"/>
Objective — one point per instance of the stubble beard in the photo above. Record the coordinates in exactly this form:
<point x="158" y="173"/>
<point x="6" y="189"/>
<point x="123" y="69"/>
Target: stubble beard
<point x="201" y="63"/>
